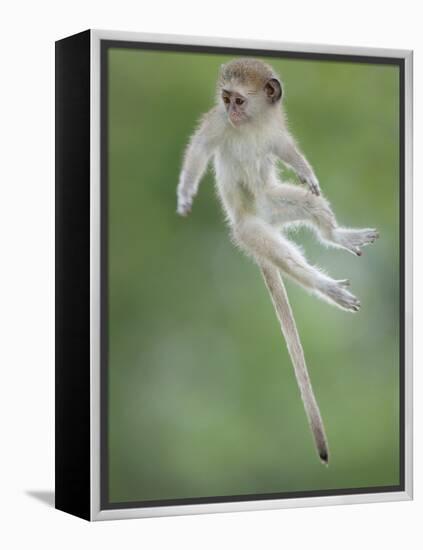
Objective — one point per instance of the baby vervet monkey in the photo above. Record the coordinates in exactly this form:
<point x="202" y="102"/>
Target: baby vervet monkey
<point x="245" y="134"/>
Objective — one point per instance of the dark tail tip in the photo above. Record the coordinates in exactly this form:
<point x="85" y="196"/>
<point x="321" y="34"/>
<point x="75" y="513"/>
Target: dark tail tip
<point x="324" y="457"/>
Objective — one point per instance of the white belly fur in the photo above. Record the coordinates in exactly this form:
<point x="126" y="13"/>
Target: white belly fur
<point x="243" y="177"/>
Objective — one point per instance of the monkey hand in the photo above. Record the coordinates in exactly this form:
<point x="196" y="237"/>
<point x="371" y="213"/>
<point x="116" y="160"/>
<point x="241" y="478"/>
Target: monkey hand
<point x="312" y="183"/>
<point x="184" y="205"/>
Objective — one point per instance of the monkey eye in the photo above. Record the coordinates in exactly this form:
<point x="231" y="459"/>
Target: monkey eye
<point x="226" y="99"/>
<point x="239" y="101"/>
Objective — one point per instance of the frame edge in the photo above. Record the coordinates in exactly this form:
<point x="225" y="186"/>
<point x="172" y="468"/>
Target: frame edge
<point x="253" y="505"/>
<point x="72" y="187"/>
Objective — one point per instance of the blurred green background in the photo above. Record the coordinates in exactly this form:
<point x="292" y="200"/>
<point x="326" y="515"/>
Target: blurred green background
<point x="202" y="396"/>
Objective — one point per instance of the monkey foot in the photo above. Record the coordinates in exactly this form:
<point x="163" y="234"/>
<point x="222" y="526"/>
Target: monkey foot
<point x="343" y="298"/>
<point x="354" y="239"/>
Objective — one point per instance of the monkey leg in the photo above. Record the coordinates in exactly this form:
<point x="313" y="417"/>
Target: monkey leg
<point x="264" y="243"/>
<point x="287" y="203"/>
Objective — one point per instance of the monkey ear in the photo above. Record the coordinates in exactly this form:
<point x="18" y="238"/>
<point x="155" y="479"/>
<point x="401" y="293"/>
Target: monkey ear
<point x="273" y="90"/>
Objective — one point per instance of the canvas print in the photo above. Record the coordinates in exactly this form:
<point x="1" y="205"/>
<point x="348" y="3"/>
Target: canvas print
<point x="252" y="276"/>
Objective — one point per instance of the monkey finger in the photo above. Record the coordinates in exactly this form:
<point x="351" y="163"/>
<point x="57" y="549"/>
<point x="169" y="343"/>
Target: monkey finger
<point x="184" y="213"/>
<point x="183" y="210"/>
<point x="314" y="188"/>
<point x="312" y="184"/>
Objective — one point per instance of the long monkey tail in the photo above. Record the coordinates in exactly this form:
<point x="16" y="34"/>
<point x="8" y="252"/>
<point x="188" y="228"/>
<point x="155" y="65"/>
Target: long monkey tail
<point x="283" y="309"/>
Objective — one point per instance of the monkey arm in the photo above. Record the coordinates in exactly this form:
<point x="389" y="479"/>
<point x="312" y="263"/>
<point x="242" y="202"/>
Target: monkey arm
<point x="197" y="156"/>
<point x="288" y="152"/>
<point x="193" y="168"/>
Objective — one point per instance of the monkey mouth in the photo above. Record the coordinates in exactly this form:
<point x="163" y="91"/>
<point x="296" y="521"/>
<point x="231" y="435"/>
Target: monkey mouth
<point x="235" y="119"/>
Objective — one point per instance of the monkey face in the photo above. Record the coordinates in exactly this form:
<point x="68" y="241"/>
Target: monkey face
<point x="236" y="106"/>
<point x="248" y="89"/>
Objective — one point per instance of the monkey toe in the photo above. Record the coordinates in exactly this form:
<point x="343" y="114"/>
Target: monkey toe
<point x="369" y="236"/>
<point x="353" y="304"/>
